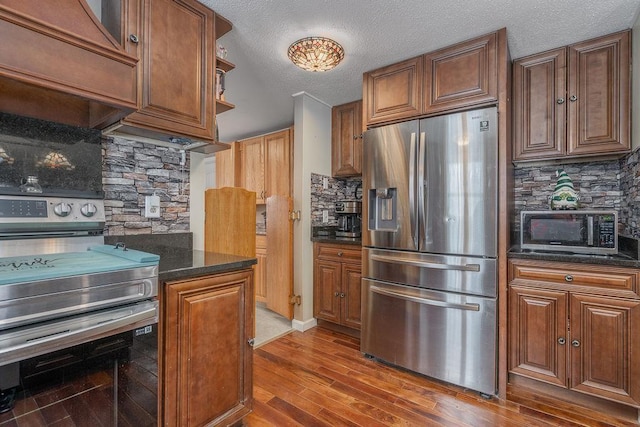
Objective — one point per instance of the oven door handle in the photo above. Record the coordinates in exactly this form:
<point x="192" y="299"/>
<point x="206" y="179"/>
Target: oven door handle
<point x="422" y="264"/>
<point x="426" y="301"/>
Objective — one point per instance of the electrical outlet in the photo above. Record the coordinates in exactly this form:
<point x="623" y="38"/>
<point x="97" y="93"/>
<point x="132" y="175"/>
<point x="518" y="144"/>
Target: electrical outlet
<point x="325" y="183"/>
<point x="325" y="216"/>
<point x="152" y="207"/>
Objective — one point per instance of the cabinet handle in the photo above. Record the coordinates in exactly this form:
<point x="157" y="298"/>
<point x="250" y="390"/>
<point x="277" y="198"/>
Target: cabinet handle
<point x="340" y="253"/>
<point x="561" y="341"/>
<point x="251" y="341"/>
<point x="342" y="295"/>
<point x="568" y="278"/>
<point x="560" y="101"/>
<point x="336" y="294"/>
<point x="134" y="38"/>
<point x="575" y="343"/>
<point x="355" y="137"/>
<point x="573" y="98"/>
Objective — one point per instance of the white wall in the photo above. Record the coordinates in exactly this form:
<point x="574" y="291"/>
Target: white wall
<point x="312" y="154"/>
<point x="199" y="165"/>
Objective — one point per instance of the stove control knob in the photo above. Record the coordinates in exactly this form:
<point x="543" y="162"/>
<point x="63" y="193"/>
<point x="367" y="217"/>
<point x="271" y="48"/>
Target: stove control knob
<point x="88" y="210"/>
<point x="62" y="209"/>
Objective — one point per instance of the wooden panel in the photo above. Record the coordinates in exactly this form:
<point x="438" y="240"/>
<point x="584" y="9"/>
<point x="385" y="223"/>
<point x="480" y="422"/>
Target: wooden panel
<point x="326" y="290"/>
<point x="351" y="302"/>
<point x="339" y="252"/>
<point x="575" y="275"/>
<point x="537" y="320"/>
<point x="206" y="357"/>
<point x="226" y="168"/>
<point x="176" y="99"/>
<point x="346" y="140"/>
<point x="230" y="221"/>
<point x="260" y="269"/>
<point x="539" y="103"/>
<point x="252" y="169"/>
<point x="599" y="79"/>
<point x="604" y="355"/>
<point x="278" y="162"/>
<point x="461" y="75"/>
<point x="279" y="274"/>
<point x="393" y="92"/>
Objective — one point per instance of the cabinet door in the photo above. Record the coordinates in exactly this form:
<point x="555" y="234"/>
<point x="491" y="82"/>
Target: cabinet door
<point x="176" y="68"/>
<point x="351" y="288"/>
<point x="605" y="347"/>
<point x="539" y="105"/>
<point x="393" y="92"/>
<point x="261" y="269"/>
<point x="346" y="140"/>
<point x="277" y="149"/>
<point x="462" y="75"/>
<point x="599" y="95"/>
<point x="252" y="161"/>
<point x="538" y="342"/>
<point x="326" y="290"/>
<point x="206" y="369"/>
<point x="226" y="167"/>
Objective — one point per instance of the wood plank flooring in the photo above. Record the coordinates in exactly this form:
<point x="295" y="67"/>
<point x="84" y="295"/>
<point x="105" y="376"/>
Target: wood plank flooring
<point x="320" y="378"/>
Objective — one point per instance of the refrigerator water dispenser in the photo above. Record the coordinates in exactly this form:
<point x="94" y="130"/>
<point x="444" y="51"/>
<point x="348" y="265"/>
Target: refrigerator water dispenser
<point x="383" y="204"/>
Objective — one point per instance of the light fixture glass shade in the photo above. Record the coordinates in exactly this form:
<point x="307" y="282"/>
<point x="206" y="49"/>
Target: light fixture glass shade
<point x="55" y="160"/>
<point x="316" y="53"/>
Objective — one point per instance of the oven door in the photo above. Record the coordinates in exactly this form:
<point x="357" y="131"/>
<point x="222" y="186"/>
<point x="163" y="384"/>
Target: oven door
<point x="24" y="342"/>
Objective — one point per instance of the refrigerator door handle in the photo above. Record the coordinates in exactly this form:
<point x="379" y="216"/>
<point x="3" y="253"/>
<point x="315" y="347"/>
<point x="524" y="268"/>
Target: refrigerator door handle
<point x="426" y="301"/>
<point x="422" y="264"/>
<point x="422" y="184"/>
<point x="412" y="188"/>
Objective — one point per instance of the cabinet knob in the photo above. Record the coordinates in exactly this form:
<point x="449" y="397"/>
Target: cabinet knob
<point x="573" y="98"/>
<point x="355" y="137"/>
<point x="342" y="295"/>
<point x="561" y="341"/>
<point x="568" y="278"/>
<point x="336" y="294"/>
<point x="251" y="341"/>
<point x="575" y="343"/>
<point x="340" y="253"/>
<point x="560" y="101"/>
<point x="134" y="38"/>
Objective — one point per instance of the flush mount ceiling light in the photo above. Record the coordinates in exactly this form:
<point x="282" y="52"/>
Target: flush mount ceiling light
<point x="316" y="53"/>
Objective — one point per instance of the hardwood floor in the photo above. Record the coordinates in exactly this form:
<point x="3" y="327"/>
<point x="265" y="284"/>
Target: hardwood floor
<point x="315" y="378"/>
<point x="320" y="378"/>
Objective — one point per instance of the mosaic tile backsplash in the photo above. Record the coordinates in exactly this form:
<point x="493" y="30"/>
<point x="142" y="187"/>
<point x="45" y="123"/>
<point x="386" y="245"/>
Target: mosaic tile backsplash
<point x="337" y="190"/>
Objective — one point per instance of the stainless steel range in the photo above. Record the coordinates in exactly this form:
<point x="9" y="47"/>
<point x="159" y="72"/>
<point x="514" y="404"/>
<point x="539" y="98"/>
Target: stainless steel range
<point x="60" y="285"/>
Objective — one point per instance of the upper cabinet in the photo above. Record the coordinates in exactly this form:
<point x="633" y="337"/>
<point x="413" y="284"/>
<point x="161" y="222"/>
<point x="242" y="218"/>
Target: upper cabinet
<point x="346" y="139"/>
<point x="63" y="67"/>
<point x="573" y="101"/>
<point x="175" y="41"/>
<point x="458" y="76"/>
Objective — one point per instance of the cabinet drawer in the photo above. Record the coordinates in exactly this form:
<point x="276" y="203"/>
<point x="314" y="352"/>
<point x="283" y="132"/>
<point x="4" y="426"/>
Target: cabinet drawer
<point x="338" y="252"/>
<point x="587" y="275"/>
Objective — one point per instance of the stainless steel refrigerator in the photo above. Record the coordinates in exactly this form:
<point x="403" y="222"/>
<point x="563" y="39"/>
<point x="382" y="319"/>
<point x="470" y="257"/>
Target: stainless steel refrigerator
<point x="429" y="297"/>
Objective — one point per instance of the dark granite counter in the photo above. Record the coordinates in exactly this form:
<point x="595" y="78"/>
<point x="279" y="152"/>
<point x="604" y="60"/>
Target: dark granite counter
<point x="619" y="260"/>
<point x="327" y="234"/>
<point x="178" y="260"/>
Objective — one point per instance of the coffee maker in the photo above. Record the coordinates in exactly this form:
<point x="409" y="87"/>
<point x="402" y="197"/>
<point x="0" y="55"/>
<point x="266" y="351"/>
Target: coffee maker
<point x="349" y="221"/>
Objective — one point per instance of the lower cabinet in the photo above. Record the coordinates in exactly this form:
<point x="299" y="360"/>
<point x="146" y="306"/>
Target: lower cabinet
<point x="205" y="366"/>
<point x="337" y="273"/>
<point x="575" y="326"/>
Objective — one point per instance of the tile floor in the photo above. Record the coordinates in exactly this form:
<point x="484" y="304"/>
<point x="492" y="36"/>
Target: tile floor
<point x="269" y="325"/>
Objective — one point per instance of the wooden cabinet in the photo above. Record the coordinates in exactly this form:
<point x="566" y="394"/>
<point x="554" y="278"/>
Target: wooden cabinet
<point x="461" y="75"/>
<point x="175" y="41"/>
<point x="265" y="165"/>
<point x="573" y="101"/>
<point x="205" y="370"/>
<point x="226" y="167"/>
<point x="261" y="269"/>
<point x="346" y="139"/>
<point x="572" y="325"/>
<point x="458" y="76"/>
<point x="337" y="271"/>
<point x="393" y="92"/>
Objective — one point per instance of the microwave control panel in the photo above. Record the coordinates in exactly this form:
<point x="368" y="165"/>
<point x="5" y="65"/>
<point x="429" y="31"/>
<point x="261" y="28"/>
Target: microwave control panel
<point x="606" y="230"/>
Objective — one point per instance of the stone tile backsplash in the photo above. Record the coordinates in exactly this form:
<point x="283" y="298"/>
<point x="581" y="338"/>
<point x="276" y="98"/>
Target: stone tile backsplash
<point x="321" y="198"/>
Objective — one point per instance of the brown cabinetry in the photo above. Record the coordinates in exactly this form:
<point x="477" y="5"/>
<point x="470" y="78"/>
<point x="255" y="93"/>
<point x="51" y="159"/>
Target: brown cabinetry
<point x="261" y="268"/>
<point x="346" y="139"/>
<point x="265" y="165"/>
<point x="175" y="42"/>
<point x="573" y="326"/>
<point x="337" y="271"/>
<point x="205" y="371"/>
<point x="458" y="76"/>
<point x="573" y="101"/>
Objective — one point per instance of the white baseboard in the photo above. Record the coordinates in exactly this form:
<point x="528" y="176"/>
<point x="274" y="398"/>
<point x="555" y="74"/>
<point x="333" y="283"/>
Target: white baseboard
<point x="302" y="326"/>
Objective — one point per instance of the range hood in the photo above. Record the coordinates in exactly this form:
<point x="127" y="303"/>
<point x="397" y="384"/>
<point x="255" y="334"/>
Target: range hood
<point x="59" y="63"/>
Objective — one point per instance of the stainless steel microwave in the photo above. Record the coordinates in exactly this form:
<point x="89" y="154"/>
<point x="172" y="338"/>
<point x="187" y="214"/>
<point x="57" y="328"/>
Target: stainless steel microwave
<point x="579" y="231"/>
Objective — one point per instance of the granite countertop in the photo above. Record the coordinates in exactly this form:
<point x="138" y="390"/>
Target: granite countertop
<point x="327" y="234"/>
<point x="622" y="259"/>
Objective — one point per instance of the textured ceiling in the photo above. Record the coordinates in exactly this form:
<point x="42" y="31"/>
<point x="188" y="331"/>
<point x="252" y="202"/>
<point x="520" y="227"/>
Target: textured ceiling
<point x="376" y="33"/>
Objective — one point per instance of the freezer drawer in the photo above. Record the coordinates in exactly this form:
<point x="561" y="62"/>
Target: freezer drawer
<point x="463" y="274"/>
<point x="450" y="337"/>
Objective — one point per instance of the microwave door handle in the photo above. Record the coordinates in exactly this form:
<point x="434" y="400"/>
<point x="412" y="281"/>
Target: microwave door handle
<point x="590" y="231"/>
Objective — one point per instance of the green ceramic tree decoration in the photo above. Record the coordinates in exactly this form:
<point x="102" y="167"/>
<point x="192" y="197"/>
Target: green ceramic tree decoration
<point x="564" y="195"/>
